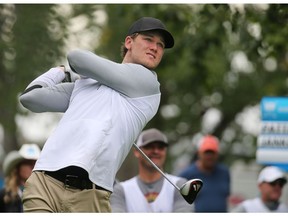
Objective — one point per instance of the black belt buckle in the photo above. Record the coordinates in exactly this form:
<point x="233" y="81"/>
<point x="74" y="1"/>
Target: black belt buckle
<point x="71" y="181"/>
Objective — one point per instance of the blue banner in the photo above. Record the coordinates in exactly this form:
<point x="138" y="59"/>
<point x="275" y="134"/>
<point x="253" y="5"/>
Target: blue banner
<point x="274" y="108"/>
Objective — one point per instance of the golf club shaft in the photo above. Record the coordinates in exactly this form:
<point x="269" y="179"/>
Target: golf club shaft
<point x="155" y="166"/>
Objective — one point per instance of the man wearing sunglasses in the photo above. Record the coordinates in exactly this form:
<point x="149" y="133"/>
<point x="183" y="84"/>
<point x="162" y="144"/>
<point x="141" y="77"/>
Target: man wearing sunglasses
<point x="271" y="181"/>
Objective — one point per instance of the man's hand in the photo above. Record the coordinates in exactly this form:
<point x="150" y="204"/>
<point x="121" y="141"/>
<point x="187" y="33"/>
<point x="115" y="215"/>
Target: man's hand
<point x="70" y="76"/>
<point x="62" y="67"/>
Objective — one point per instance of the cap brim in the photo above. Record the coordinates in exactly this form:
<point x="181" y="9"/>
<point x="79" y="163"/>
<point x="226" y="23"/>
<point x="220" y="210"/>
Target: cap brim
<point x="275" y="179"/>
<point x="153" y="141"/>
<point x="12" y="165"/>
<point x="168" y="38"/>
<point x="210" y="150"/>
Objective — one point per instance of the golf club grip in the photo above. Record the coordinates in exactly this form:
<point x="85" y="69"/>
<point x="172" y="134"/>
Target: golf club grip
<point x="155" y="166"/>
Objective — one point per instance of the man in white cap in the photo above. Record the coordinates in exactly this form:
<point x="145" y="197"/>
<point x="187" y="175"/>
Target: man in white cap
<point x="270" y="183"/>
<point x="149" y="191"/>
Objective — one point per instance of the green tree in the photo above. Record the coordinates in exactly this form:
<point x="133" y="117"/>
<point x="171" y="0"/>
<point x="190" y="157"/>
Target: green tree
<point x="25" y="49"/>
<point x="201" y="72"/>
<point x="33" y="39"/>
<point x="225" y="58"/>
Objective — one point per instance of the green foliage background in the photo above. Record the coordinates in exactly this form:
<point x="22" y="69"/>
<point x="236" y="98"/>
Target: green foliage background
<point x="198" y="74"/>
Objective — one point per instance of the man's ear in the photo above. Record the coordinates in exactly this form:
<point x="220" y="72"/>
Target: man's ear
<point x="136" y="153"/>
<point x="128" y="42"/>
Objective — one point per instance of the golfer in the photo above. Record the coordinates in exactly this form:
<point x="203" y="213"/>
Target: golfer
<point x="106" y="105"/>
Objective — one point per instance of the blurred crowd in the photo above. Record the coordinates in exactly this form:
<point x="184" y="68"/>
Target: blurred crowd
<point x="149" y="191"/>
<point x="17" y="167"/>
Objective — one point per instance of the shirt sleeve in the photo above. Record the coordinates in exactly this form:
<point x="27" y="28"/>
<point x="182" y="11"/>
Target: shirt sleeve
<point x="47" y="93"/>
<point x="180" y="204"/>
<point x="133" y="80"/>
<point x="117" y="199"/>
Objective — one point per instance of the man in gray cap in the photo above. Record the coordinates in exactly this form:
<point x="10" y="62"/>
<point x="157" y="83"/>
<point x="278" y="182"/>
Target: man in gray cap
<point x="271" y="181"/>
<point x="149" y="191"/>
<point x="106" y="105"/>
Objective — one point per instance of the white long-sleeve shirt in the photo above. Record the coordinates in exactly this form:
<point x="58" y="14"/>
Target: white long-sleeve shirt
<point x="103" y="114"/>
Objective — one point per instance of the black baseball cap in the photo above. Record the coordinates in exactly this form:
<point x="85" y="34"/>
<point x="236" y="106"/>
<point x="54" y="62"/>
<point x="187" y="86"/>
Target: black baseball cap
<point x="150" y="23"/>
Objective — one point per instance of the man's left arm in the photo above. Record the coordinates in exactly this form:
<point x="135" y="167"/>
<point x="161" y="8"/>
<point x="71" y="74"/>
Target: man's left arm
<point x="132" y="80"/>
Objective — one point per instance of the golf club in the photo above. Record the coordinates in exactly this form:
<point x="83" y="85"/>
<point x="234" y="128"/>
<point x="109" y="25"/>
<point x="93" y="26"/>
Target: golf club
<point x="188" y="190"/>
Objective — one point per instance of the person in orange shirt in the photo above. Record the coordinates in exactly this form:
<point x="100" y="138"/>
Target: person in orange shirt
<point x="216" y="177"/>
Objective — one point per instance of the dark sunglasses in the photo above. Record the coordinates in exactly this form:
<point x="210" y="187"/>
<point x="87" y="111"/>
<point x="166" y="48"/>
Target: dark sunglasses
<point x="280" y="182"/>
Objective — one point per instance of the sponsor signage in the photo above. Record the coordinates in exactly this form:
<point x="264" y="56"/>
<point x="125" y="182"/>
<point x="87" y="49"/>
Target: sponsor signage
<point x="272" y="143"/>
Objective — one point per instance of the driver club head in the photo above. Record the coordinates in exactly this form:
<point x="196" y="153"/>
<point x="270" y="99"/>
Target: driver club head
<point x="190" y="189"/>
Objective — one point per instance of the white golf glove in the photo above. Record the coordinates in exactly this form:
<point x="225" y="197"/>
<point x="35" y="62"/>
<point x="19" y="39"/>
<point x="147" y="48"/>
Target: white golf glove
<point x="71" y="76"/>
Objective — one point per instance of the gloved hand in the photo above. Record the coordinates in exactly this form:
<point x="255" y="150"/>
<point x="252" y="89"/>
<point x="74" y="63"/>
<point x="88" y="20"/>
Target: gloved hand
<point x="70" y="76"/>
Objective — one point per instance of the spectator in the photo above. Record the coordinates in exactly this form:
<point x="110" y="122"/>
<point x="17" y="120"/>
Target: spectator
<point x="17" y="167"/>
<point x="149" y="191"/>
<point x="215" y="176"/>
<point x="270" y="184"/>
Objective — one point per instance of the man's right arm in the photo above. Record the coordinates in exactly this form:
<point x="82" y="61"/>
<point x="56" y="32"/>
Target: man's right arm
<point x="117" y="199"/>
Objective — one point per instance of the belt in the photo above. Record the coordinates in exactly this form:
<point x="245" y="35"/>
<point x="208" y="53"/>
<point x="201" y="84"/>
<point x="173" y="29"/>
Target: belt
<point x="73" y="180"/>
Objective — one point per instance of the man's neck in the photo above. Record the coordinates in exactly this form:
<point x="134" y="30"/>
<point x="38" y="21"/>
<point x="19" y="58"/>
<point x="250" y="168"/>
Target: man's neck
<point x="202" y="168"/>
<point x="149" y="176"/>
<point x="272" y="205"/>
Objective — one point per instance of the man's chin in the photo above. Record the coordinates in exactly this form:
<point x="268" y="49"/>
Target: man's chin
<point x="157" y="162"/>
<point x="149" y="66"/>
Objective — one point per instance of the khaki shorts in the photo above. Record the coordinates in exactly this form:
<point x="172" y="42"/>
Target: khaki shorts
<point x="42" y="193"/>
